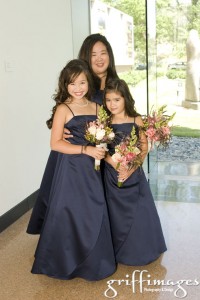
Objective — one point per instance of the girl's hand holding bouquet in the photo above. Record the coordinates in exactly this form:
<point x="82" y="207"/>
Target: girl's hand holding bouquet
<point x="100" y="133"/>
<point x="127" y="156"/>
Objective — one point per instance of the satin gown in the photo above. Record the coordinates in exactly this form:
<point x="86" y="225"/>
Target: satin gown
<point x="41" y="204"/>
<point x="75" y="239"/>
<point x="135" y="225"/>
<point x="98" y="97"/>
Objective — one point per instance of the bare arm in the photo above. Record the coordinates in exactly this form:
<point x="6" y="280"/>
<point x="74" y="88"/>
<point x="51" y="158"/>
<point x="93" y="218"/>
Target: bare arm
<point x="57" y="143"/>
<point x="109" y="160"/>
<point x="142" y="139"/>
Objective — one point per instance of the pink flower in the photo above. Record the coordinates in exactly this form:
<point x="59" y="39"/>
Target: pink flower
<point x="127" y="153"/>
<point x="130" y="156"/>
<point x="157" y="128"/>
<point x="151" y="132"/>
<point x="156" y="138"/>
<point x="123" y="147"/>
<point x="165" y="130"/>
<point x="116" y="157"/>
<point x="99" y="130"/>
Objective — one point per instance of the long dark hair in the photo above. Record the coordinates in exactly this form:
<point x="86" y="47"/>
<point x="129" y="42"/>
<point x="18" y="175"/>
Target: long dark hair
<point x="85" y="54"/>
<point x="120" y="86"/>
<point x="68" y="75"/>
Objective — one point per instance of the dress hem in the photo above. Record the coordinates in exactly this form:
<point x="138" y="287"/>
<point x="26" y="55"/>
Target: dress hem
<point x="142" y="264"/>
<point x="73" y="277"/>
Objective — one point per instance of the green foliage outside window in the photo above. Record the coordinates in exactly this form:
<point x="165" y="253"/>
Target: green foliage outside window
<point x="173" y="22"/>
<point x="174" y="74"/>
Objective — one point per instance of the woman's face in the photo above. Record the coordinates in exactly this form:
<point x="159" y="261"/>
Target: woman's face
<point x="99" y="59"/>
<point x="115" y="103"/>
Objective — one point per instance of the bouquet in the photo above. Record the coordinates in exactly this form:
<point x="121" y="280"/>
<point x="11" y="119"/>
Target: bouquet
<point x="127" y="153"/>
<point x="99" y="132"/>
<point x="156" y="127"/>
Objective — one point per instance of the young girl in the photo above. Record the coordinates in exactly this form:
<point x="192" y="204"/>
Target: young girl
<point x="75" y="240"/>
<point x="135" y="224"/>
<point x="97" y="52"/>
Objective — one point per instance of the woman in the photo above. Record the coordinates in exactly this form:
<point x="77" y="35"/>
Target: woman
<point x="97" y="52"/>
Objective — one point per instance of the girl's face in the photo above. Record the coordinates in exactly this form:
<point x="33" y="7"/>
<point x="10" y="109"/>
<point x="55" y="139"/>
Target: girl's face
<point x="79" y="87"/>
<point x="115" y="103"/>
<point x="99" y="59"/>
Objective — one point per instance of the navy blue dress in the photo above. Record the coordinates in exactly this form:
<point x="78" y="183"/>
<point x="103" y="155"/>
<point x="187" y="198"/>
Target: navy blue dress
<point x="39" y="210"/>
<point x="135" y="224"/>
<point x="41" y="204"/>
<point x="98" y="97"/>
<point x="75" y="239"/>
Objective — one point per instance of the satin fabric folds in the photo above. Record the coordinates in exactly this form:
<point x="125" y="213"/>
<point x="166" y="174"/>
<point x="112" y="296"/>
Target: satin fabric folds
<point x="75" y="238"/>
<point x="135" y="225"/>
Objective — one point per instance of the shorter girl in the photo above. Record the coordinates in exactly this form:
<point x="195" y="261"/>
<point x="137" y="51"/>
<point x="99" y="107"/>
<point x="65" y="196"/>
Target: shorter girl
<point x="75" y="238"/>
<point x="135" y="224"/>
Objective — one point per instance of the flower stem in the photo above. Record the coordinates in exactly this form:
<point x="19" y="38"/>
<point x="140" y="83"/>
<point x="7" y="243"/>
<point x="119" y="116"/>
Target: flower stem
<point x="119" y="183"/>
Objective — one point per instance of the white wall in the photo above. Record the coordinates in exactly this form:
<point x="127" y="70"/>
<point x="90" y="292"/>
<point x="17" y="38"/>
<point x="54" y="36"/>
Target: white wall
<point x="36" y="41"/>
<point x="80" y="12"/>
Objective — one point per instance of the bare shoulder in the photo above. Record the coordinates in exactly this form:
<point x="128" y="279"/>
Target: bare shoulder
<point x="94" y="104"/>
<point x="94" y="107"/>
<point x="138" y="121"/>
<point x="63" y="108"/>
<point x="63" y="112"/>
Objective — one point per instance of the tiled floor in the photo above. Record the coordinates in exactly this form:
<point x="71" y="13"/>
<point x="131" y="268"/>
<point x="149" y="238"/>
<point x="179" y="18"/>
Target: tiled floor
<point x="178" y="204"/>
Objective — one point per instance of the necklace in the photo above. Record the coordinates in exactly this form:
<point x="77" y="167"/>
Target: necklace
<point x="81" y="105"/>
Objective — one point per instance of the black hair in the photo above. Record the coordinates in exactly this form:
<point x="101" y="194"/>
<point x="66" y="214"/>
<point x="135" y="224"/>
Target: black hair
<point x="120" y="86"/>
<point x="85" y="54"/>
<point x="68" y="75"/>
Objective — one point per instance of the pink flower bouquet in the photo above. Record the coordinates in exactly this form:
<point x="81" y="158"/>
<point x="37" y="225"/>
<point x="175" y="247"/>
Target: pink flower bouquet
<point x="127" y="153"/>
<point x="157" y="127"/>
<point x="99" y="132"/>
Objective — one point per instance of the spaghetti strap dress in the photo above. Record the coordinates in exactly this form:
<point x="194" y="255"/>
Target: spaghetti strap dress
<point x="135" y="225"/>
<point x="42" y="200"/>
<point x="75" y="238"/>
<point x="40" y="207"/>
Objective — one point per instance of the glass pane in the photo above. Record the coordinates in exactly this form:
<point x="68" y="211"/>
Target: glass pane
<point x="151" y="58"/>
<point x="130" y="27"/>
<point x="178" y="61"/>
<point x="178" y="82"/>
<point x="124" y="25"/>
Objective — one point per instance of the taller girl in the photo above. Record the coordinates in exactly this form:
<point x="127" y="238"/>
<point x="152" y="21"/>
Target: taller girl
<point x="75" y="239"/>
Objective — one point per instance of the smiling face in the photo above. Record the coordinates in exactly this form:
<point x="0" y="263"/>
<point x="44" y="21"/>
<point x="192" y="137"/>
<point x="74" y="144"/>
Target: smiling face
<point x="79" y="87"/>
<point x="115" y="103"/>
<point x="99" y="59"/>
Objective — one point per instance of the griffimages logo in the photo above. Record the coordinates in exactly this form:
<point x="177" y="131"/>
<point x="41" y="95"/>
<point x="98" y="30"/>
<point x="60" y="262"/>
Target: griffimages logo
<point x="144" y="283"/>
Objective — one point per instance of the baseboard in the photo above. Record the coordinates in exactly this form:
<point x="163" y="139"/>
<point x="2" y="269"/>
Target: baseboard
<point x="16" y="212"/>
